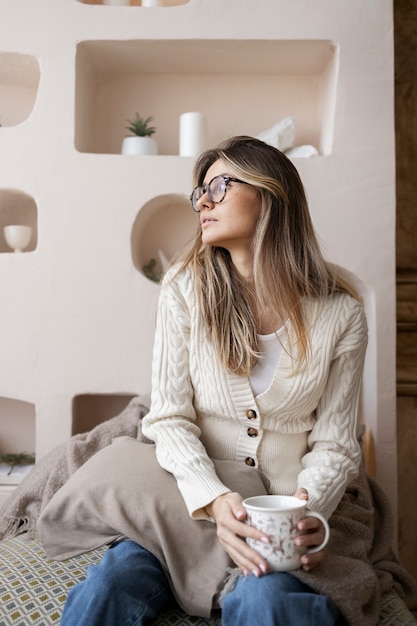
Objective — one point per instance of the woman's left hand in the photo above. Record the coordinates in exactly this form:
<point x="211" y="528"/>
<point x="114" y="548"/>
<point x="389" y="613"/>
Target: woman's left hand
<point x="311" y="535"/>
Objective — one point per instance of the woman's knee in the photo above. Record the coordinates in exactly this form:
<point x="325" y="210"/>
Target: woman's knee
<point x="125" y="566"/>
<point x="269" y="585"/>
<point x="285" y="600"/>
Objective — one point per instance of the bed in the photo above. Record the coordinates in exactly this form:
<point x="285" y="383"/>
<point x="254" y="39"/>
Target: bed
<point x="33" y="588"/>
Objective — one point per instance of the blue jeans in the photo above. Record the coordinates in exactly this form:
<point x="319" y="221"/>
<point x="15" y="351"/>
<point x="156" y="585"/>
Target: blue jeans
<point x="276" y="599"/>
<point x="128" y="588"/>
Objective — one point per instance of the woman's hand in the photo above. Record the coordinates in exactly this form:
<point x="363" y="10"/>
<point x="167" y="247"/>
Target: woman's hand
<point x="311" y="534"/>
<point x="230" y="514"/>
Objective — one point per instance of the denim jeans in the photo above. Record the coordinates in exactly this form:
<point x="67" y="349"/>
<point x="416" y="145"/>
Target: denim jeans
<point x="276" y="599"/>
<point x="128" y="588"/>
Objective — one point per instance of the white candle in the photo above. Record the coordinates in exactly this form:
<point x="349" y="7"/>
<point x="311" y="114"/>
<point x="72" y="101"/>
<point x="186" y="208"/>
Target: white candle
<point x="193" y="133"/>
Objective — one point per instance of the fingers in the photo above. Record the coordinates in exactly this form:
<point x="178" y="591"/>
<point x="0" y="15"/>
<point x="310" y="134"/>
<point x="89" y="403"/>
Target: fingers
<point x="309" y="561"/>
<point x="309" y="525"/>
<point x="309" y="540"/>
<point x="311" y="535"/>
<point x="249" y="561"/>
<point x="301" y="493"/>
<point x="232" y="532"/>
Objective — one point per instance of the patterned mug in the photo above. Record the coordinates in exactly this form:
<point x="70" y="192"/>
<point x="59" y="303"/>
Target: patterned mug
<point x="277" y="517"/>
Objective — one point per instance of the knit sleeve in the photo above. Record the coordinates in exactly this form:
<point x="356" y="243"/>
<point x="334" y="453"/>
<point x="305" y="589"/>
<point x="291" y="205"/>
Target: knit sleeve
<point x="171" y="422"/>
<point x="335" y="455"/>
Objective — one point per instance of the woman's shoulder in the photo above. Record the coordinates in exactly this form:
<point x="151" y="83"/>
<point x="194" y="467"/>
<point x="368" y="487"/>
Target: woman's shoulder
<point x="345" y="302"/>
<point x="177" y="283"/>
<point x="177" y="276"/>
<point x="339" y="311"/>
<point x="340" y="302"/>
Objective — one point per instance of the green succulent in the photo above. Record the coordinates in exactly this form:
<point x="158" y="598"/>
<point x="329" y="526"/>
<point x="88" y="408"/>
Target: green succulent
<point x="140" y="126"/>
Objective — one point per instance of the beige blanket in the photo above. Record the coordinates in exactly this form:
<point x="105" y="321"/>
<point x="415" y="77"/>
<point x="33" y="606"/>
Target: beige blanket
<point x="359" y="565"/>
<point x="122" y="490"/>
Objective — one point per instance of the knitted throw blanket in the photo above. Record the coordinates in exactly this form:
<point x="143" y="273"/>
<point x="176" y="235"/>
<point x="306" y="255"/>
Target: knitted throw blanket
<point x="21" y="510"/>
<point x="359" y="563"/>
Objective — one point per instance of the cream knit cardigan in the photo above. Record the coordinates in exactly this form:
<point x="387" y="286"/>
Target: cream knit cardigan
<point x="301" y="431"/>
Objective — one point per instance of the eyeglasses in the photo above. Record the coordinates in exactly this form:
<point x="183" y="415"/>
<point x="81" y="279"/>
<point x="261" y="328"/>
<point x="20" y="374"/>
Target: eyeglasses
<point x="215" y="189"/>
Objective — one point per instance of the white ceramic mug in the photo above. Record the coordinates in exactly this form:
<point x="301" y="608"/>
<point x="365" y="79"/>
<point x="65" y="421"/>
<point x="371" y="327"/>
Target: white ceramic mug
<point x="277" y="517"/>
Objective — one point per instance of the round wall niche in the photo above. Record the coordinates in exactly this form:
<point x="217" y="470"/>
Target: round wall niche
<point x="163" y="226"/>
<point x="19" y="82"/>
<point x="18" y="208"/>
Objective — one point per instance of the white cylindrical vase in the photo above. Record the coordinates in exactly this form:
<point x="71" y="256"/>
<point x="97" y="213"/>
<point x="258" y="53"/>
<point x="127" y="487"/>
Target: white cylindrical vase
<point x="152" y="3"/>
<point x="193" y="133"/>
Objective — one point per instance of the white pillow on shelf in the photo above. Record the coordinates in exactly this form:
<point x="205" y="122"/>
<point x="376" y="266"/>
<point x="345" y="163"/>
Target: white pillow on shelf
<point x="302" y="151"/>
<point x="281" y="135"/>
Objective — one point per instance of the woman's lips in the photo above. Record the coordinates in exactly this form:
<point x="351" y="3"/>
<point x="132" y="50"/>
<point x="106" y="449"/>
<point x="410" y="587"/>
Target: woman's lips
<point x="207" y="220"/>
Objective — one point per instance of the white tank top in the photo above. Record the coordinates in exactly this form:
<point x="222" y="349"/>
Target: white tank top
<point x="270" y="352"/>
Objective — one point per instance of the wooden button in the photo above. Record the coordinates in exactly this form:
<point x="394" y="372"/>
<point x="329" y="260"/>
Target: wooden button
<point x="251" y="415"/>
<point x="250" y="461"/>
<point x="252" y="432"/>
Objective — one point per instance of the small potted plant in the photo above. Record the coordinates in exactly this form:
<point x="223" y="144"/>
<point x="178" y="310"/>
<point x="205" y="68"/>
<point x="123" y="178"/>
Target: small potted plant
<point x="141" y="141"/>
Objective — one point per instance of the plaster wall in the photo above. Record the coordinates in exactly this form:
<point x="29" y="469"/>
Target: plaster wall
<point x="77" y="314"/>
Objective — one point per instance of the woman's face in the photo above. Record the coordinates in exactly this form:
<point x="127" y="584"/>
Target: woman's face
<point x="231" y="223"/>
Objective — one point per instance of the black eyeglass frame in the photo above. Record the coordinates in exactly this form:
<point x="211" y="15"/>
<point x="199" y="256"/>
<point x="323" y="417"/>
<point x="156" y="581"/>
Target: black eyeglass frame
<point x="206" y="189"/>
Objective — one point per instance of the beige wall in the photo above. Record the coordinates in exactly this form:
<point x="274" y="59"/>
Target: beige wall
<point x="77" y="314"/>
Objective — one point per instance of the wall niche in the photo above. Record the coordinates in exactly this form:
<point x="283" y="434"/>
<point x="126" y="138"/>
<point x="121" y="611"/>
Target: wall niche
<point x="17" y="426"/>
<point x="19" y="82"/>
<point x="260" y="82"/>
<point x="91" y="409"/>
<point x="18" y="208"/>
<point x="137" y="3"/>
<point x="163" y="226"/>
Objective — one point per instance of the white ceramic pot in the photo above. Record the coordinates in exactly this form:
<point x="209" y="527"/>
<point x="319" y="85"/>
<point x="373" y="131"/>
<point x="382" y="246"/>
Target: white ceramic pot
<point x="139" y="145"/>
<point x="17" y="236"/>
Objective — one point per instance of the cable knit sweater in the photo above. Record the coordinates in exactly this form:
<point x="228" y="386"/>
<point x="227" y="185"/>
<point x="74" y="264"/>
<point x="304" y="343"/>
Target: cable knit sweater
<point x="300" y="432"/>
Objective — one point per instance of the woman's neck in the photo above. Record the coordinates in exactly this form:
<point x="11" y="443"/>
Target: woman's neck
<point x="268" y="321"/>
<point x="242" y="261"/>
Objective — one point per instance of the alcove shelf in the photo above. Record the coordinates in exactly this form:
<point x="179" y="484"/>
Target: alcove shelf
<point x="17" y="426"/>
<point x="138" y="3"/>
<point x="17" y="436"/>
<point x="19" y="81"/>
<point x="163" y="226"/>
<point x="91" y="409"/>
<point x="18" y="207"/>
<point x="260" y="83"/>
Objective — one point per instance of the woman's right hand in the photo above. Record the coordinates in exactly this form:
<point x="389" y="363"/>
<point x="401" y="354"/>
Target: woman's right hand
<point x="228" y="512"/>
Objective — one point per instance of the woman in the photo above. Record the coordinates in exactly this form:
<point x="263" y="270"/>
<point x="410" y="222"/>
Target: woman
<point x="258" y="358"/>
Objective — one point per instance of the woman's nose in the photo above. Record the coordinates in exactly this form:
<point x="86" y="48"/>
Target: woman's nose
<point x="204" y="203"/>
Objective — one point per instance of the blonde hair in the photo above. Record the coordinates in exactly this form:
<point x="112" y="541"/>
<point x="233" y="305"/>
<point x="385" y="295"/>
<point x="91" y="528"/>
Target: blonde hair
<point x="288" y="265"/>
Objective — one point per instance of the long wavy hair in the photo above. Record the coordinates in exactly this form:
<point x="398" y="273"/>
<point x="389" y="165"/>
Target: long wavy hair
<point x="287" y="263"/>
